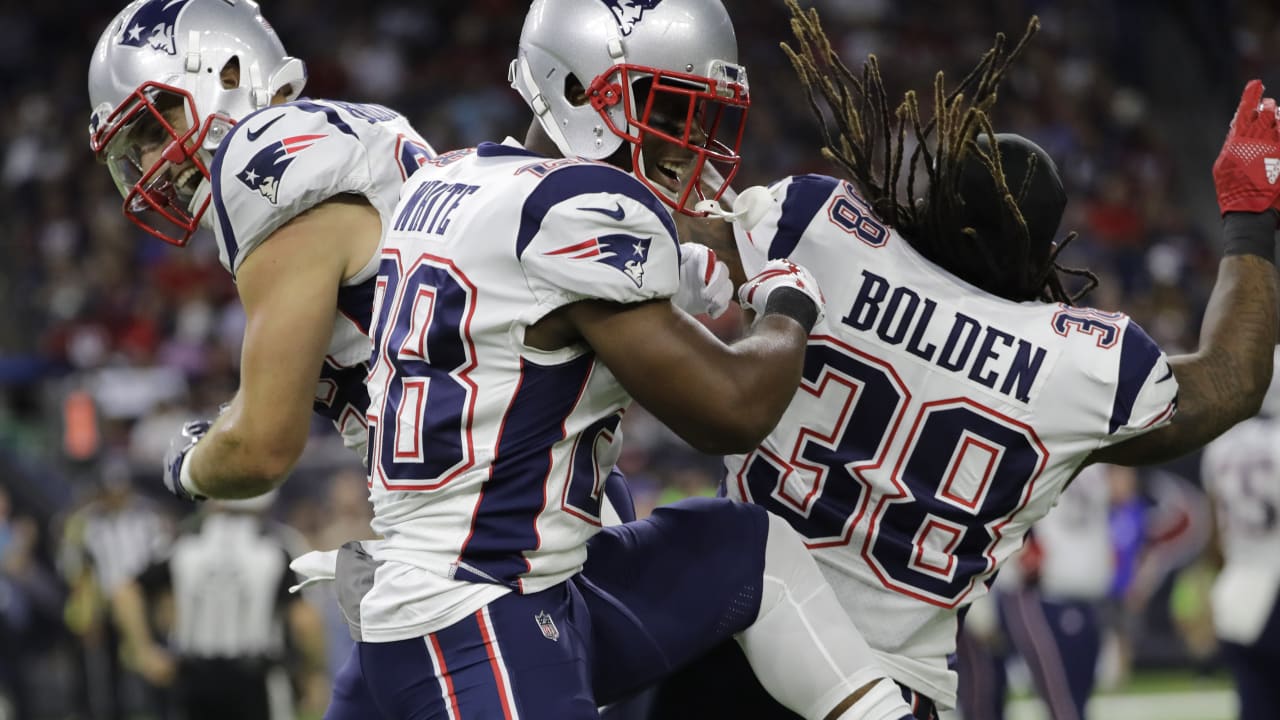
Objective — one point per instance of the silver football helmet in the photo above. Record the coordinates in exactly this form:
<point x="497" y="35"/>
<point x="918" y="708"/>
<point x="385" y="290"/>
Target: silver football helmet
<point x="160" y="106"/>
<point x="631" y="56"/>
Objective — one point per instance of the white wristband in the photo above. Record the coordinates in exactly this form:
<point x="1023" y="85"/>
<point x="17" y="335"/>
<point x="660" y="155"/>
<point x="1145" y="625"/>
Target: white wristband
<point x="184" y="476"/>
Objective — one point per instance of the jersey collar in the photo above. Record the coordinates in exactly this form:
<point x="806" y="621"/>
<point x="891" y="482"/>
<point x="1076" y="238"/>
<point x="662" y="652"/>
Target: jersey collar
<point x="507" y="148"/>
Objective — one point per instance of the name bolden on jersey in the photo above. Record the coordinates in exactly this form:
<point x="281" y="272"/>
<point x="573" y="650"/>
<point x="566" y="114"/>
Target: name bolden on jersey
<point x="985" y="354"/>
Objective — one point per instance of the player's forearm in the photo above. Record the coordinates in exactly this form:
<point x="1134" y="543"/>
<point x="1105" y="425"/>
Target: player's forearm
<point x="718" y="398"/>
<point x="232" y="462"/>
<point x="1224" y="381"/>
<point x="745" y="393"/>
<point x="130" y="613"/>
<point x="308" y="632"/>
<point x="1237" y="340"/>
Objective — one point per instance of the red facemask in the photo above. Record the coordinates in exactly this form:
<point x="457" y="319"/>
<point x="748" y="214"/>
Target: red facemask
<point x="702" y="117"/>
<point x="158" y="196"/>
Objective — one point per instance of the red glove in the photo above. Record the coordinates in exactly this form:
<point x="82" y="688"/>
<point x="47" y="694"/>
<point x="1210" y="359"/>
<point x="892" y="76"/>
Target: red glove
<point x="1247" y="171"/>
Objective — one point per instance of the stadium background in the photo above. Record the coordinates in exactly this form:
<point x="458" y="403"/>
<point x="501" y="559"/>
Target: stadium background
<point x="109" y="339"/>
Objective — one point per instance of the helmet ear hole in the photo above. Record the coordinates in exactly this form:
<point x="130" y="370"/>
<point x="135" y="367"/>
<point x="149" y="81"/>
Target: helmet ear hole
<point x="230" y="74"/>
<point x="574" y="91"/>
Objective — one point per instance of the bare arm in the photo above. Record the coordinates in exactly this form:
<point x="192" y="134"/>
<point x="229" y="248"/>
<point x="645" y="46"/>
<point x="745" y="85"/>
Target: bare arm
<point x="129" y="609"/>
<point x="130" y="613"/>
<point x="289" y="288"/>
<point x="719" y="398"/>
<point x="306" y="627"/>
<point x="1223" y="382"/>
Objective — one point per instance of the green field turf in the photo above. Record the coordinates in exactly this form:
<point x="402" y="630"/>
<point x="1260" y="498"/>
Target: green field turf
<point x="1149" y="696"/>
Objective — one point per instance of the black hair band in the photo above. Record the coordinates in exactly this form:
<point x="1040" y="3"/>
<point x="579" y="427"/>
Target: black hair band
<point x="1246" y="233"/>
<point x="795" y="304"/>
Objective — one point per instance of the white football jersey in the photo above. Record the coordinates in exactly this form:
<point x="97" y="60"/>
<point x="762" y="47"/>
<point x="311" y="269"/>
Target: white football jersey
<point x="487" y="456"/>
<point x="1241" y="471"/>
<point x="1077" y="560"/>
<point x="283" y="160"/>
<point x="934" y="423"/>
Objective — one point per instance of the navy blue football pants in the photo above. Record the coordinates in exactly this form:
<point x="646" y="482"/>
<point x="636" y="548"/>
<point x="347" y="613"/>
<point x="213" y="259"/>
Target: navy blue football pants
<point x="654" y="595"/>
<point x="1060" y="641"/>
<point x="1254" y="669"/>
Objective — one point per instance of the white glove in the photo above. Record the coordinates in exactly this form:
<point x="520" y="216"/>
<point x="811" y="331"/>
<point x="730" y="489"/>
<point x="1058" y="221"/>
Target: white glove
<point x="777" y="274"/>
<point x="705" y="286"/>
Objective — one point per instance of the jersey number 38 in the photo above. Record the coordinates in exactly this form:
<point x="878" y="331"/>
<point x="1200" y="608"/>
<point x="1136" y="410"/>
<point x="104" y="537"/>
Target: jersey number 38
<point x="929" y="526"/>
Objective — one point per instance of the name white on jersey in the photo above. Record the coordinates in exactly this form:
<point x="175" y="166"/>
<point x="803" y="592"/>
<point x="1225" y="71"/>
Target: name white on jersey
<point x="285" y="159"/>
<point x="935" y="423"/>
<point x="489" y="456"/>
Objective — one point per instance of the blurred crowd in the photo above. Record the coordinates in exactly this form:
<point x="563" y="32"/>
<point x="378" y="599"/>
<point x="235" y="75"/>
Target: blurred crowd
<point x="112" y="339"/>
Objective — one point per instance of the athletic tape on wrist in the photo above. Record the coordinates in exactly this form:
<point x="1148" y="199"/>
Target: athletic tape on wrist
<point x="793" y="303"/>
<point x="1246" y="233"/>
<point x="184" y="478"/>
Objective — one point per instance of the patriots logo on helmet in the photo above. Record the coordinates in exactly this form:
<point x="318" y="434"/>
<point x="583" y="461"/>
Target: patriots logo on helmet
<point x="626" y="253"/>
<point x="629" y="13"/>
<point x="152" y="25"/>
<point x="266" y="169"/>
<point x="95" y="122"/>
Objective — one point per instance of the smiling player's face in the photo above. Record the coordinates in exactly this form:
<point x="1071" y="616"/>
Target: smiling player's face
<point x="667" y="164"/>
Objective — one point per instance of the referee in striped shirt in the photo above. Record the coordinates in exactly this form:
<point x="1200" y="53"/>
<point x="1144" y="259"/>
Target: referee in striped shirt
<point x="234" y="630"/>
<point x="104" y="545"/>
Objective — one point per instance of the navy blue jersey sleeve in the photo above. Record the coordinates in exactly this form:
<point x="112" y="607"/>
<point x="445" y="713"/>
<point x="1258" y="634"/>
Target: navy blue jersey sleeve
<point x="1146" y="392"/>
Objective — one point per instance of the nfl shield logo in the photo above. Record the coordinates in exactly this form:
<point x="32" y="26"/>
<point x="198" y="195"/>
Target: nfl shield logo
<point x="547" y="626"/>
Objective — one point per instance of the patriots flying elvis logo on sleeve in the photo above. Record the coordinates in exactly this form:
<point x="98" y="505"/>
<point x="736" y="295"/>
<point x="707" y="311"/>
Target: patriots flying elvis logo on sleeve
<point x="623" y="252"/>
<point x="629" y="13"/>
<point x="266" y="169"/>
<point x="152" y="26"/>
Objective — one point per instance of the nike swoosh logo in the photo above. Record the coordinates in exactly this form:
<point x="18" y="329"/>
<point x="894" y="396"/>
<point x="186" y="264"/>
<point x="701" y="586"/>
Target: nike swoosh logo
<point x="253" y="135"/>
<point x="1168" y="374"/>
<point x="615" y="214"/>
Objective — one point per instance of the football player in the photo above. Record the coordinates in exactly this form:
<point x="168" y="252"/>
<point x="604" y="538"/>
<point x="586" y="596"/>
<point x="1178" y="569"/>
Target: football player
<point x="155" y="66"/>
<point x="171" y="84"/>
<point x="196" y="114"/>
<point x="954" y="388"/>
<point x="523" y="299"/>
<point x="1241" y="471"/>
<point x="1048" y="600"/>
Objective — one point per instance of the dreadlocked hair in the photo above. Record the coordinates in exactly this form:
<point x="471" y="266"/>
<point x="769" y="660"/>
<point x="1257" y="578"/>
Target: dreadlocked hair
<point x="868" y="143"/>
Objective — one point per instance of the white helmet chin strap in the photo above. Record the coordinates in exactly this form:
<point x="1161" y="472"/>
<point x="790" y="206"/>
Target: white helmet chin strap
<point x="539" y="104"/>
<point x="750" y="206"/>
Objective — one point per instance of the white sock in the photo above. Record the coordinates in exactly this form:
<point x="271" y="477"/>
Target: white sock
<point x="803" y="647"/>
